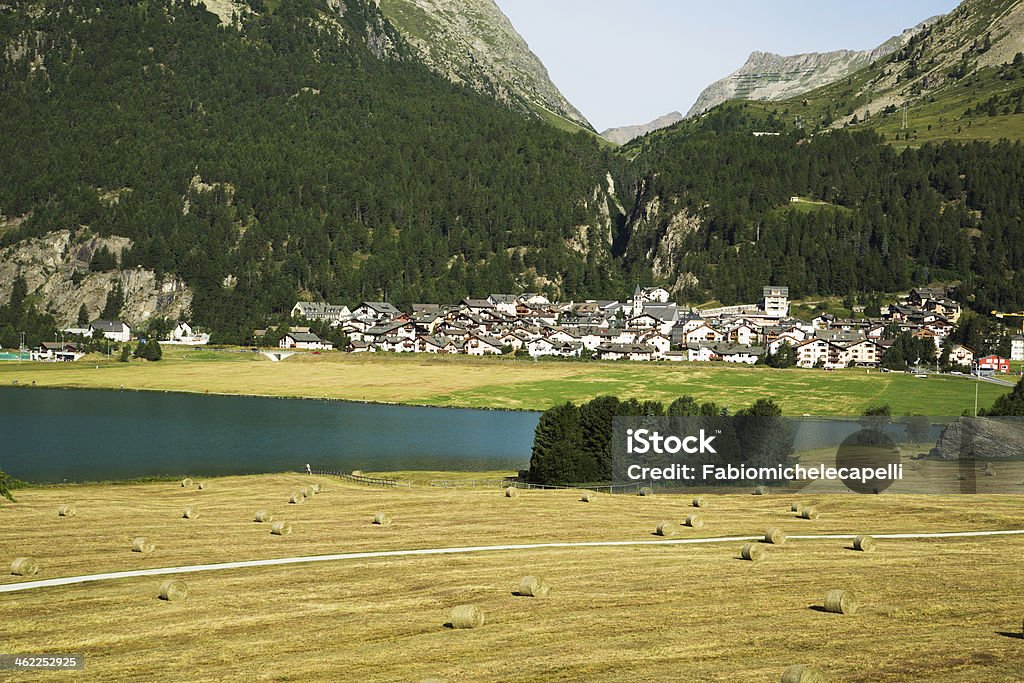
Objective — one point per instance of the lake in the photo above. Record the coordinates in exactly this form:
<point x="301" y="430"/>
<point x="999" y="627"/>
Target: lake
<point x="54" y="435"/>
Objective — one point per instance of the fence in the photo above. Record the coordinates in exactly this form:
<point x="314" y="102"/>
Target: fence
<point x="359" y="479"/>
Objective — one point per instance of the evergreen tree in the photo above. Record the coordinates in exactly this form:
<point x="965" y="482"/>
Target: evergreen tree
<point x="83" y="316"/>
<point x="1011" y="404"/>
<point x="557" y="442"/>
<point x="114" y="304"/>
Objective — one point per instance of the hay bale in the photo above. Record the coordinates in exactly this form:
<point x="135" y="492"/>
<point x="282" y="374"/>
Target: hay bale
<point x="357" y="473"/>
<point x="186" y="483"/>
<point x="173" y="590"/>
<point x="280" y="528"/>
<point x="533" y="587"/>
<point x="297" y="498"/>
<point x="699" y="502"/>
<point x="801" y="673"/>
<point x="694" y="521"/>
<point x="666" y="529"/>
<point x="467" y="616"/>
<point x="141" y="544"/>
<point x="774" y="536"/>
<point x="512" y="492"/>
<point x="809" y="512"/>
<point x="864" y="544"/>
<point x="24" y="566"/>
<point x="307" y="492"/>
<point x="646" y="491"/>
<point x="796" y="507"/>
<point x="381" y="519"/>
<point x="588" y="497"/>
<point x="201" y="486"/>
<point x="753" y="552"/>
<point x="263" y="516"/>
<point x="66" y="511"/>
<point x="189" y="512"/>
<point x="760" y="491"/>
<point x="841" y="602"/>
<point x="315" y="488"/>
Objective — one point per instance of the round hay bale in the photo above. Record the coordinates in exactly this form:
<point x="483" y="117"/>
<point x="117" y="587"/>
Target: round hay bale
<point x="141" y="544"/>
<point x="173" y="590"/>
<point x="307" y="492"/>
<point x="280" y="528"/>
<point x="646" y="491"/>
<point x="694" y="521"/>
<point x="775" y="536"/>
<point x="186" y="483"/>
<point x="201" y="486"/>
<point x="297" y="498"/>
<point x="533" y="587"/>
<point x="588" y="497"/>
<point x="809" y="512"/>
<point x="753" y="552"/>
<point x="666" y="529"/>
<point x="381" y="519"/>
<point x="512" y="492"/>
<point x="699" y="502"/>
<point x="66" y="511"/>
<point x="467" y="616"/>
<point x="189" y="512"/>
<point x="24" y="566"/>
<point x="315" y="488"/>
<point x="801" y="673"/>
<point x="263" y="516"/>
<point x="841" y="602"/>
<point x="796" y="507"/>
<point x="864" y="544"/>
<point x="760" y="491"/>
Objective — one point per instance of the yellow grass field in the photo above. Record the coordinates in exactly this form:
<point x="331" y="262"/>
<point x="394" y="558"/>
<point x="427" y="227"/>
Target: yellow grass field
<point x="460" y="381"/>
<point x="932" y="610"/>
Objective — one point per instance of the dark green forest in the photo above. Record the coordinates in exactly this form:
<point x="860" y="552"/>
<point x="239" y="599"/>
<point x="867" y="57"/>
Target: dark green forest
<point x="886" y="219"/>
<point x="327" y="170"/>
<point x="305" y="154"/>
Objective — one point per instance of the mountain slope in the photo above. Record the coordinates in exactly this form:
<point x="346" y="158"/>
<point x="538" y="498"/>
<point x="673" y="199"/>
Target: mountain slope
<point x="471" y="42"/>
<point x="624" y="134"/>
<point x="767" y="76"/>
<point x="302" y="152"/>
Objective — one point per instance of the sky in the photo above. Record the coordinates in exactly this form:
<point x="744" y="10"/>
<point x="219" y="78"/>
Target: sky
<point x="627" y="62"/>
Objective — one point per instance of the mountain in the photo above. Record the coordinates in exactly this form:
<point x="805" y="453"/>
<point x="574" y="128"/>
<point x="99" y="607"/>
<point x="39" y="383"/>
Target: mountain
<point x="471" y="42"/>
<point x="624" y="134"/>
<point x="960" y="78"/>
<point x="767" y="76"/>
<point x="272" y="152"/>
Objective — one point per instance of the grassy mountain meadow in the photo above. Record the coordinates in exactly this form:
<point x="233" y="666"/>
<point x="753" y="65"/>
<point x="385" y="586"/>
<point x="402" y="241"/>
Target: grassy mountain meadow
<point x="319" y="150"/>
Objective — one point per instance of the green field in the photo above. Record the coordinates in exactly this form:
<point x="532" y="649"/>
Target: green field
<point x="504" y="383"/>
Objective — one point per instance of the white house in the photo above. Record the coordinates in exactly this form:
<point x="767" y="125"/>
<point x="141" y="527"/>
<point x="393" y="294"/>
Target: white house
<point x="303" y="340"/>
<point x="184" y="334"/>
<point x="704" y="333"/>
<point x="114" y="330"/>
<point x="961" y="355"/>
<point x="1017" y="347"/>
<point x="319" y="311"/>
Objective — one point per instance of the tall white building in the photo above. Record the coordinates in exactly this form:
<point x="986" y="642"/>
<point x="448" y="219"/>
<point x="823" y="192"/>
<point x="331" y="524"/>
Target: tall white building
<point x="776" y="302"/>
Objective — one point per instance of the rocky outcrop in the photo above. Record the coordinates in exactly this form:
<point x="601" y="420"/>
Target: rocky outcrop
<point x="624" y="134"/>
<point x="471" y="42"/>
<point x="768" y="76"/>
<point x="56" y="271"/>
<point x="982" y="439"/>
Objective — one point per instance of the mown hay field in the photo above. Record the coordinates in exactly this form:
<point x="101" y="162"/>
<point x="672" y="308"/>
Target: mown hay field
<point x="937" y="610"/>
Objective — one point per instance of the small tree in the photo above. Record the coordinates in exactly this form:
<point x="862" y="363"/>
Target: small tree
<point x="6" y="484"/>
<point x="126" y="353"/>
<point x="83" y="316"/>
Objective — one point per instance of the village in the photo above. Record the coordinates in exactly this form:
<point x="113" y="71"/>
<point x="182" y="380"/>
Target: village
<point x="647" y="327"/>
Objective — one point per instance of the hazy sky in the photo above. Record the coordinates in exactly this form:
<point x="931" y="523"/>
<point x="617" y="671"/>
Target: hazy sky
<point x="622" y="62"/>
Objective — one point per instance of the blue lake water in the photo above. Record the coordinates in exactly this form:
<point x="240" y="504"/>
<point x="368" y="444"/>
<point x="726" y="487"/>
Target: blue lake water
<point x="53" y="435"/>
